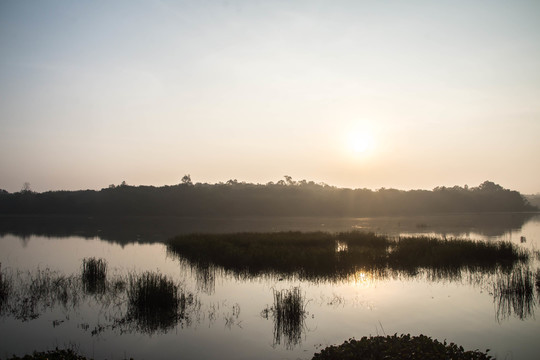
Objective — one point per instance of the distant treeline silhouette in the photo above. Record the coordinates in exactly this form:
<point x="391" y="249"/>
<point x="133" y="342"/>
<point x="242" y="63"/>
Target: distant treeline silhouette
<point x="284" y="198"/>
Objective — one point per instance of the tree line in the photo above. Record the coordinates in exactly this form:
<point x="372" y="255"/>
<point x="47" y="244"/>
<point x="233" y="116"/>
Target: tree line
<point x="283" y="198"/>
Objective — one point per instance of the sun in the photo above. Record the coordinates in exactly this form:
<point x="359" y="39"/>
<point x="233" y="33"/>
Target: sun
<point x="361" y="142"/>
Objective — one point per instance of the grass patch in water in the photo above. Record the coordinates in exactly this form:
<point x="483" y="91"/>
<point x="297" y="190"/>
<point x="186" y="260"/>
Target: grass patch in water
<point x="397" y="348"/>
<point x="5" y="288"/>
<point x="155" y="302"/>
<point x="288" y="313"/>
<point x="423" y="252"/>
<point x="321" y="255"/>
<point x="94" y="275"/>
<point x="514" y="293"/>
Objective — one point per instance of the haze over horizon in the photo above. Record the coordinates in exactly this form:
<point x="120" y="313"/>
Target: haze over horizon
<point x="359" y="94"/>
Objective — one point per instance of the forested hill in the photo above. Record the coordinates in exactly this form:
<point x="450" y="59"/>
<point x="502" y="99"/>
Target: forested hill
<point x="284" y="198"/>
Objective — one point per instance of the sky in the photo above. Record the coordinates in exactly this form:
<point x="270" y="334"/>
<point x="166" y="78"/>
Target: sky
<point x="359" y="94"/>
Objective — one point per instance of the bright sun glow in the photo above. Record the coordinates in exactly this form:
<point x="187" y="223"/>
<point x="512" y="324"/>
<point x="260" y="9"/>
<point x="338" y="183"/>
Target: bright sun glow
<point x="361" y="142"/>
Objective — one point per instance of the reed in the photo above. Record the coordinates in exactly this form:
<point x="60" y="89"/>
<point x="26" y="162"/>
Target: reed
<point x="327" y="256"/>
<point x="155" y="302"/>
<point x="94" y="271"/>
<point x="5" y="288"/>
<point x="514" y="293"/>
<point x="288" y="313"/>
<point x="538" y="283"/>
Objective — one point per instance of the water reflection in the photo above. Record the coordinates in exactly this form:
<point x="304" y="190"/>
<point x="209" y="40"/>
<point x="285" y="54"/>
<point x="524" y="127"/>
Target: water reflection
<point x="125" y="230"/>
<point x="124" y="303"/>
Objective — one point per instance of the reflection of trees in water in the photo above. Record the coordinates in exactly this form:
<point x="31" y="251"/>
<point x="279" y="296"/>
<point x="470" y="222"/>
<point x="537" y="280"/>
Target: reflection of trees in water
<point x="288" y="314"/>
<point x="130" y="229"/>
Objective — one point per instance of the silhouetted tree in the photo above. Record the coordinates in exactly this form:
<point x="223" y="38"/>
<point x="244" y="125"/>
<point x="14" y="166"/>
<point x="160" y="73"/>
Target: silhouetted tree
<point x="186" y="180"/>
<point x="26" y="188"/>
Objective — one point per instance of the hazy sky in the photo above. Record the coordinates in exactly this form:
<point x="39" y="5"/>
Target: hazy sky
<point x="360" y="94"/>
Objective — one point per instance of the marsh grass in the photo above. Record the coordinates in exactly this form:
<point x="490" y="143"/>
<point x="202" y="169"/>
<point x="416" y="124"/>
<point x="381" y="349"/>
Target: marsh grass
<point x="326" y="256"/>
<point x="288" y="313"/>
<point x="452" y="255"/>
<point x="538" y="283"/>
<point x="41" y="290"/>
<point x="309" y="255"/>
<point x="513" y="293"/>
<point x="6" y="286"/>
<point x="94" y="275"/>
<point x="156" y="303"/>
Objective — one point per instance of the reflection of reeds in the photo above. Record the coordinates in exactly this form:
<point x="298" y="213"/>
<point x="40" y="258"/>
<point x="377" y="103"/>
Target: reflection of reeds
<point x="514" y="293"/>
<point x="94" y="274"/>
<point x="155" y="302"/>
<point x="288" y="313"/>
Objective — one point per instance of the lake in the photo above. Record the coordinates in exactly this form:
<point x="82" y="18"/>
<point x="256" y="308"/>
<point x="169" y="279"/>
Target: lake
<point x="228" y="314"/>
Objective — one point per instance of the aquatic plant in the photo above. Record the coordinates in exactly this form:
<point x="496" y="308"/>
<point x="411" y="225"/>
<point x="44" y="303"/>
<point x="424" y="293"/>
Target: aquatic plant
<point x="40" y="290"/>
<point x="309" y="255"/>
<point x="94" y="275"/>
<point x="155" y="302"/>
<point x="415" y="252"/>
<point x="514" y="293"/>
<point x="57" y="354"/>
<point x="5" y="288"/>
<point x="326" y="256"/>
<point x="288" y="313"/>
<point x="397" y="348"/>
<point x="538" y="282"/>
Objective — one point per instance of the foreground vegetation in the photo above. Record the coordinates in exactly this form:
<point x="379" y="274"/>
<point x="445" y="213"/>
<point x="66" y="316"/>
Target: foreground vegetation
<point x="398" y="348"/>
<point x="64" y="354"/>
<point x="283" y="198"/>
<point x="389" y="348"/>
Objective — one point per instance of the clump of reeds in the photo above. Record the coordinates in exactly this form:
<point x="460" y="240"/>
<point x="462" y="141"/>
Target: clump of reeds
<point x="514" y="293"/>
<point x="5" y="288"/>
<point x="309" y="255"/>
<point x="94" y="275"/>
<point x="288" y="313"/>
<point x="322" y="255"/>
<point x="41" y="290"/>
<point x="155" y="302"/>
<point x="412" y="253"/>
<point x="538" y="283"/>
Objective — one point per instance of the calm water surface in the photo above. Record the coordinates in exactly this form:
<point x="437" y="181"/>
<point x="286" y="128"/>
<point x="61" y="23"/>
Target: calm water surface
<point x="226" y="315"/>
